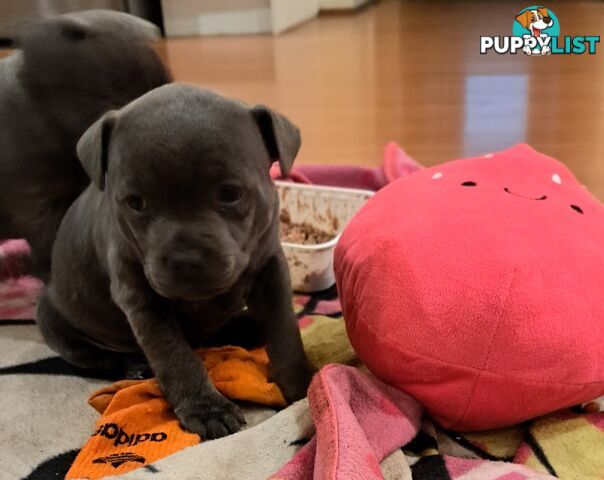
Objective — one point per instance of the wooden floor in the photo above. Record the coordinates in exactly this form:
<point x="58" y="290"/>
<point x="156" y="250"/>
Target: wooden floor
<point x="411" y="71"/>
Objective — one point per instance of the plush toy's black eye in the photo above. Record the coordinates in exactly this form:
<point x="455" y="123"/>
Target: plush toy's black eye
<point x="468" y="184"/>
<point x="577" y="209"/>
<point x="136" y="202"/>
<point x="229" y="193"/>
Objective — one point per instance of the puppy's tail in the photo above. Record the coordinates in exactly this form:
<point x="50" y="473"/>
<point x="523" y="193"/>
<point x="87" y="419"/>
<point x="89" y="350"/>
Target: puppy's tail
<point x="15" y="259"/>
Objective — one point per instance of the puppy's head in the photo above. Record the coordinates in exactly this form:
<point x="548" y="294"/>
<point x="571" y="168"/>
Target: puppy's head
<point x="187" y="175"/>
<point x="97" y="53"/>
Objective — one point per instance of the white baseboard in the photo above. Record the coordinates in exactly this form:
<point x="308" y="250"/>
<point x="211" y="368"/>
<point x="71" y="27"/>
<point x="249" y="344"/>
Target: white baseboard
<point x="217" y="23"/>
<point x="341" y="4"/>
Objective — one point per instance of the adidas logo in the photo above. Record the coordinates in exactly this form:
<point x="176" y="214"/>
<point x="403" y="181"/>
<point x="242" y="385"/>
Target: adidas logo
<point x="113" y="432"/>
<point x="118" y="459"/>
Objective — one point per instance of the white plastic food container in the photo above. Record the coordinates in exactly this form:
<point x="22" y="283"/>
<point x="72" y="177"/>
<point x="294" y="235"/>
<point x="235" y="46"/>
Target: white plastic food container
<point x="327" y="208"/>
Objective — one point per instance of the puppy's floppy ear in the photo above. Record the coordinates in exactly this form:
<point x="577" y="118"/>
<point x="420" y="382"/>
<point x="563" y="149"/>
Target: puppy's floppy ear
<point x="93" y="148"/>
<point x="543" y="11"/>
<point x="524" y="18"/>
<point x="281" y="137"/>
<point x="74" y="30"/>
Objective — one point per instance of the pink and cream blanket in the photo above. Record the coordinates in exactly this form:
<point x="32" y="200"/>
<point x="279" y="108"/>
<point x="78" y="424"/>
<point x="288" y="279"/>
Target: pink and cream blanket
<point x="18" y="293"/>
<point x="361" y="421"/>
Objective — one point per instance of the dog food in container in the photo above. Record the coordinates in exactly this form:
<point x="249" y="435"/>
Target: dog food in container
<point x="312" y="219"/>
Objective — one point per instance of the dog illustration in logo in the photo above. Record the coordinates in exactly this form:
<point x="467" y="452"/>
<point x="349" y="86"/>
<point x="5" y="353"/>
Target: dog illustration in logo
<point x="535" y="21"/>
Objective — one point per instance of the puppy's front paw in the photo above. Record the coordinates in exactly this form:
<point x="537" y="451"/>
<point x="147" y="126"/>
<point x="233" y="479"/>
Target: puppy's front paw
<point x="211" y="416"/>
<point x="294" y="380"/>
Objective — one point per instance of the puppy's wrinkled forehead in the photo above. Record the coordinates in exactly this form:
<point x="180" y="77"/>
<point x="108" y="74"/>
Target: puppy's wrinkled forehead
<point x="188" y="135"/>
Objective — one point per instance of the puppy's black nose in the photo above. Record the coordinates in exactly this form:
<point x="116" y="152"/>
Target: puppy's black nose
<point x="548" y="20"/>
<point x="185" y="262"/>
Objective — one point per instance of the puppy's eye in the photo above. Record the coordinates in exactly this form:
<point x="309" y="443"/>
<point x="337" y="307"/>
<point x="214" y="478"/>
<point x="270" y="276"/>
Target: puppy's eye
<point x="468" y="184"/>
<point x="135" y="202"/>
<point x="229" y="193"/>
<point x="577" y="209"/>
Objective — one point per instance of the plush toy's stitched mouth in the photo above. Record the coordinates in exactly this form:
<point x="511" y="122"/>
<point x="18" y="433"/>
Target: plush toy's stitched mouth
<point x="507" y="190"/>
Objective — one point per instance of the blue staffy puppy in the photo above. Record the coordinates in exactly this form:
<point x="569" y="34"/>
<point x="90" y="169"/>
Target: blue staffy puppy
<point x="175" y="245"/>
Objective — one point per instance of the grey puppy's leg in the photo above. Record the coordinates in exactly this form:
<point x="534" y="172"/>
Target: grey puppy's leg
<point x="271" y="302"/>
<point x="185" y="382"/>
<point x="61" y="337"/>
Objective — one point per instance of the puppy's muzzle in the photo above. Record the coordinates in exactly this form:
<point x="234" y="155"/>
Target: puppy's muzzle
<point x="191" y="275"/>
<point x="195" y="264"/>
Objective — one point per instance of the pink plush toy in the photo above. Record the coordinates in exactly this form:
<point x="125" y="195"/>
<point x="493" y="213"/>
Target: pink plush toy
<point x="477" y="286"/>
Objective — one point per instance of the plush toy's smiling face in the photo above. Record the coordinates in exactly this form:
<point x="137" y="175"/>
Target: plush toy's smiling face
<point x="555" y="179"/>
<point x="493" y="178"/>
<point x="477" y="285"/>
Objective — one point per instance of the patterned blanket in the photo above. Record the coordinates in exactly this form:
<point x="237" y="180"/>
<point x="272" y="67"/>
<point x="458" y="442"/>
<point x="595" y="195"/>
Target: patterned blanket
<point x="45" y="420"/>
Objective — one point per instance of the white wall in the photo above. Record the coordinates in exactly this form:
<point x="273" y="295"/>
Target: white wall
<point x="288" y="13"/>
<point x="210" y="17"/>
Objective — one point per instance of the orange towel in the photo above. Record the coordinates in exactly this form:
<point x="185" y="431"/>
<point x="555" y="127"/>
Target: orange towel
<point x="138" y="426"/>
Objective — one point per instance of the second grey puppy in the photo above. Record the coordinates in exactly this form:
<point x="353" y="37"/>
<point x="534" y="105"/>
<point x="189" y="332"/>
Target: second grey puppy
<point x="64" y="73"/>
<point x="175" y="245"/>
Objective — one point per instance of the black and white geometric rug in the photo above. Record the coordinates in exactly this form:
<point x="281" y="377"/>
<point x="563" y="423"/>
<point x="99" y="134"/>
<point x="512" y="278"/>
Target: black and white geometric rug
<point x="44" y="417"/>
<point x="45" y="420"/>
